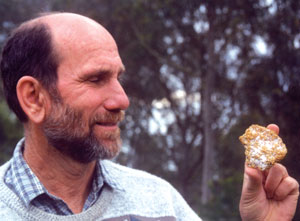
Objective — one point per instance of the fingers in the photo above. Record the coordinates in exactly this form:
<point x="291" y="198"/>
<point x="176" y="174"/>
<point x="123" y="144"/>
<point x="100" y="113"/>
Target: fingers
<point x="279" y="184"/>
<point x="273" y="127"/>
<point x="275" y="176"/>
<point x="288" y="186"/>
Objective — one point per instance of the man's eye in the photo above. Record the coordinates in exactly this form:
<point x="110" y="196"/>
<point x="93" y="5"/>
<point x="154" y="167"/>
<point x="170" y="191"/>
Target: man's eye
<point x="96" y="79"/>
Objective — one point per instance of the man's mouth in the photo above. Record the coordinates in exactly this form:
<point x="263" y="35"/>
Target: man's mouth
<point x="109" y="121"/>
<point x="108" y="125"/>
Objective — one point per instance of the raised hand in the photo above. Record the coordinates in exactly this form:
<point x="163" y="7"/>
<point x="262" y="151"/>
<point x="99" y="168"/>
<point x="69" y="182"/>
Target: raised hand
<point x="269" y="195"/>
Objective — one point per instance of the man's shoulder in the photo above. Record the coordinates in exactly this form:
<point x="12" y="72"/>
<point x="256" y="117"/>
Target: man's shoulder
<point x="6" y="213"/>
<point x="129" y="176"/>
<point x="5" y="166"/>
<point x="3" y="169"/>
<point x="146" y="192"/>
<point x="125" y="169"/>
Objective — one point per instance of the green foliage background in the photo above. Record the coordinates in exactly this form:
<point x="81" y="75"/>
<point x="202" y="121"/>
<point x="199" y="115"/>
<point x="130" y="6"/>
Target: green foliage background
<point x="207" y="51"/>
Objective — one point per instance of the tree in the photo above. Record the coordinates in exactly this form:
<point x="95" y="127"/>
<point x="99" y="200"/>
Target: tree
<point x="197" y="79"/>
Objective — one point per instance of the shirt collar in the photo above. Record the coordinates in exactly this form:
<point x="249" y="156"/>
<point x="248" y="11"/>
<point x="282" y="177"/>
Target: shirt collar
<point x="21" y="179"/>
<point x="109" y="175"/>
<point x="27" y="186"/>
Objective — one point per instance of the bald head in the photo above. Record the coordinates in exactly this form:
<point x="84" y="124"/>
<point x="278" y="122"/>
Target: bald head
<point x="37" y="48"/>
<point x="73" y="32"/>
<point x="68" y="27"/>
<point x="69" y="30"/>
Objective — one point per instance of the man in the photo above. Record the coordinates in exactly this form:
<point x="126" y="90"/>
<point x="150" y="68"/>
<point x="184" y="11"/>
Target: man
<point x="61" y="77"/>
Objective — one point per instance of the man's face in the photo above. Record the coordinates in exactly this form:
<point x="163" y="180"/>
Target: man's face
<point x="84" y="123"/>
<point x="66" y="130"/>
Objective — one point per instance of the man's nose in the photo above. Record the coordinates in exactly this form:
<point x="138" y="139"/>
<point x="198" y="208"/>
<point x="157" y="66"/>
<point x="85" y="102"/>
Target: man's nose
<point x="117" y="98"/>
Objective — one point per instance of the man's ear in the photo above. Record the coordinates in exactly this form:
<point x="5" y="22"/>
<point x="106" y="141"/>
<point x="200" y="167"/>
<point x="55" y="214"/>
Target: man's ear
<point x="32" y="98"/>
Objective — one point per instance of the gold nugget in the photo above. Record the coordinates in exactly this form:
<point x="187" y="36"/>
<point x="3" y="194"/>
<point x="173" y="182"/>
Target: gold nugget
<point x="263" y="147"/>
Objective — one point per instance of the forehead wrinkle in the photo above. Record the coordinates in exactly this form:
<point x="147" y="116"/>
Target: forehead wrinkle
<point x="105" y="69"/>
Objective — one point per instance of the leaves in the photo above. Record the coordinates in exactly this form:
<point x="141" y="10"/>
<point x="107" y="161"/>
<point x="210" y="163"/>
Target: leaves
<point x="170" y="48"/>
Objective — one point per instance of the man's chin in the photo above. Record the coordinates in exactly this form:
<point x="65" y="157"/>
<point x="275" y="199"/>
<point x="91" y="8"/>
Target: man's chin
<point x="112" y="148"/>
<point x="88" y="150"/>
<point x="105" y="134"/>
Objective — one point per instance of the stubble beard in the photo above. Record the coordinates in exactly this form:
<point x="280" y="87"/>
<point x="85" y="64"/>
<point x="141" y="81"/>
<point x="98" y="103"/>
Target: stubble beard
<point x="66" y="130"/>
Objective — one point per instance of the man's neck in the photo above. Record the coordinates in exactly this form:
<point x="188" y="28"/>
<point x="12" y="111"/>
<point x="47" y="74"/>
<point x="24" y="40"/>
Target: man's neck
<point x="62" y="177"/>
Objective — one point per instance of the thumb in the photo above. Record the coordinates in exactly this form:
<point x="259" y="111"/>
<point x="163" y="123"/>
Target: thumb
<point x="253" y="195"/>
<point x="252" y="184"/>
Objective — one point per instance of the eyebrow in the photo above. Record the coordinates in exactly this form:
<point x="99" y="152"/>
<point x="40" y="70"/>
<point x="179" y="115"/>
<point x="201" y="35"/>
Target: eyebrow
<point x="102" y="72"/>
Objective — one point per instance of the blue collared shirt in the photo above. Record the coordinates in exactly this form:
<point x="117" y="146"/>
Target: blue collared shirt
<point x="20" y="179"/>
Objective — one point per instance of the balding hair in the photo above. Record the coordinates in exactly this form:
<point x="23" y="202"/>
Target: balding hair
<point x="28" y="52"/>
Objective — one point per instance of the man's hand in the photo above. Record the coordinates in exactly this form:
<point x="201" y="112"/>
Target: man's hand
<point x="269" y="195"/>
